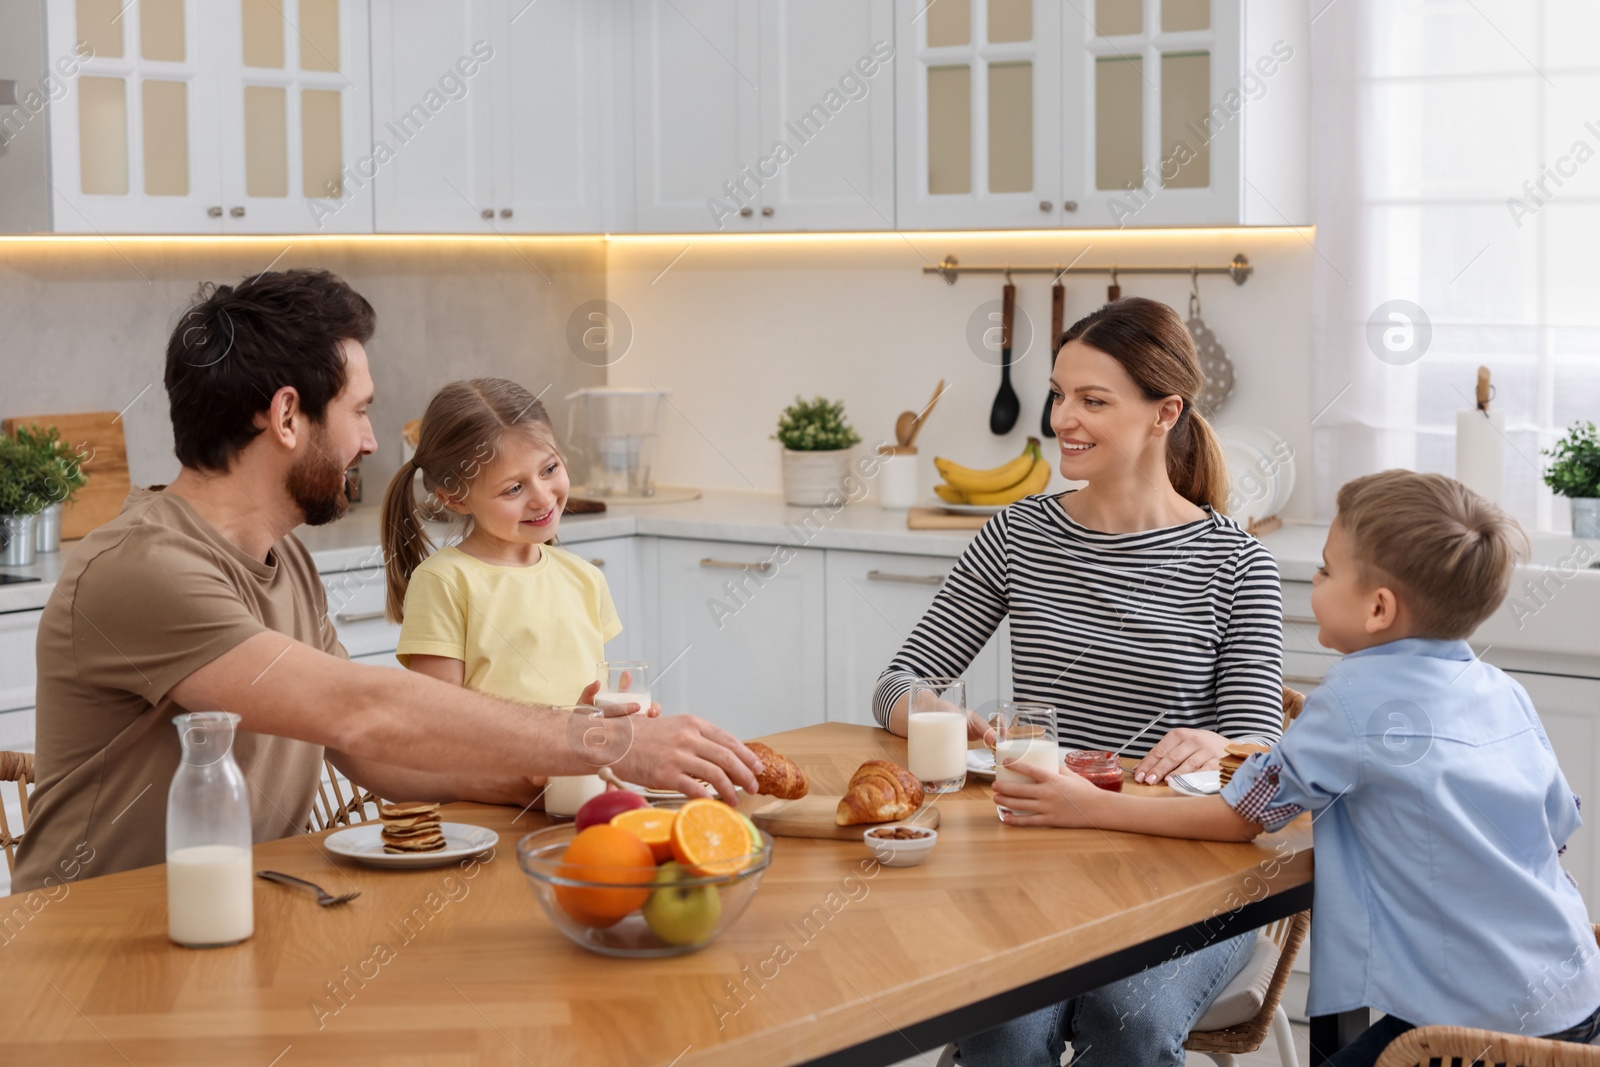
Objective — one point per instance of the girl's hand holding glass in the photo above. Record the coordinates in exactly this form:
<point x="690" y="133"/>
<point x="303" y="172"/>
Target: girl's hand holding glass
<point x="1056" y="798"/>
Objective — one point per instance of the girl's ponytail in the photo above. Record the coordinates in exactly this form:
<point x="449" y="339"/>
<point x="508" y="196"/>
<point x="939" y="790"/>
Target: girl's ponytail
<point x="405" y="543"/>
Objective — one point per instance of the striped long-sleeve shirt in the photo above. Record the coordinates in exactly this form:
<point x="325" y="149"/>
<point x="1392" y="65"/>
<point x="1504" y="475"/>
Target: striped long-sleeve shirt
<point x="1181" y="626"/>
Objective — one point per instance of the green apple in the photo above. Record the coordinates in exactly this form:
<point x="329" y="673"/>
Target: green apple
<point x="681" y="915"/>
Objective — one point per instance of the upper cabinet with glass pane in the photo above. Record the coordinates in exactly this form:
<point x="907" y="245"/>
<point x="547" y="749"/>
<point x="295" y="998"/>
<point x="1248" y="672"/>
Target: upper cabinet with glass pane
<point x="221" y="116"/>
<point x="1028" y="113"/>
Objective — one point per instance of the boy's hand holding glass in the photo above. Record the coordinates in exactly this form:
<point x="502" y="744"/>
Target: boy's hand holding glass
<point x="1056" y="797"/>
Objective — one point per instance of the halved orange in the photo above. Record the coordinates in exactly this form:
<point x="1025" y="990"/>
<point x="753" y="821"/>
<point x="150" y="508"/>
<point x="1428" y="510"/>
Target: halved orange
<point x="710" y="838"/>
<point x="653" y="826"/>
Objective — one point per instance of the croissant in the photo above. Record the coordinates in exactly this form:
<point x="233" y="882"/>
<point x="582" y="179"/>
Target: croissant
<point x="879" y="791"/>
<point x="780" y="776"/>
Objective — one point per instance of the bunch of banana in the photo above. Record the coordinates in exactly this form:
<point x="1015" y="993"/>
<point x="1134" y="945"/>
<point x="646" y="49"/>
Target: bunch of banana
<point x="1029" y="473"/>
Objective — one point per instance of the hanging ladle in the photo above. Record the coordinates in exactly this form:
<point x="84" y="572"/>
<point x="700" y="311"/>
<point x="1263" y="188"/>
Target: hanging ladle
<point x="1003" y="415"/>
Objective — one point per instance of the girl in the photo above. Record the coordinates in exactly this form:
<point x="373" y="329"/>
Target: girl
<point x="505" y="611"/>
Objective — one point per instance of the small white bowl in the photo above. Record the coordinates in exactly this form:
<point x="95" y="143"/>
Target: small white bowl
<point x="893" y="853"/>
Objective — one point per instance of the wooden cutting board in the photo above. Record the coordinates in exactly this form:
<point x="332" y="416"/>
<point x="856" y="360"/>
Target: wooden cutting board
<point x="812" y="816"/>
<point x="940" y="519"/>
<point x="97" y="435"/>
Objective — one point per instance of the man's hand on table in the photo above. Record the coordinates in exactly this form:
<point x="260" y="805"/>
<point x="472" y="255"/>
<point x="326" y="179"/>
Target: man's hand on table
<point x="679" y="752"/>
<point x="1181" y="751"/>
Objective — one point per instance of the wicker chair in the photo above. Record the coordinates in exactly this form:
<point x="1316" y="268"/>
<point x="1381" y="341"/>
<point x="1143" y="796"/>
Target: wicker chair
<point x="338" y="811"/>
<point x="1467" y="1045"/>
<point x="16" y="768"/>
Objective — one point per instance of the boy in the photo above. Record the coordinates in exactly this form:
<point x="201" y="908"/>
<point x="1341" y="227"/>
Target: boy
<point x="1440" y="810"/>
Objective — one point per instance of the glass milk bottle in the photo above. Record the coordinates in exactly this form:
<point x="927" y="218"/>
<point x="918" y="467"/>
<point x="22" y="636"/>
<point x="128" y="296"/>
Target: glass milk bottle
<point x="210" y="890"/>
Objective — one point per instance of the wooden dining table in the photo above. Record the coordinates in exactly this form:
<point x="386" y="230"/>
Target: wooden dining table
<point x="838" y="959"/>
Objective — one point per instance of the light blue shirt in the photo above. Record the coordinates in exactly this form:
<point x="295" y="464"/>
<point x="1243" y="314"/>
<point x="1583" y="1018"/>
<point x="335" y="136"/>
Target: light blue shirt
<point x="1440" y="812"/>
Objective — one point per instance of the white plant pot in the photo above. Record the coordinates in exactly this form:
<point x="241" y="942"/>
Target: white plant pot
<point x="811" y="479"/>
<point x="1586" y="516"/>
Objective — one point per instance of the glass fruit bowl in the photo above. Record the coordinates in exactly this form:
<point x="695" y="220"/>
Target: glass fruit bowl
<point x="634" y="912"/>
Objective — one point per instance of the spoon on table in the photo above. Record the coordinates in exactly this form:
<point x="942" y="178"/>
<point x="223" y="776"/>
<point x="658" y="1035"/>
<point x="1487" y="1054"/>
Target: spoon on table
<point x="1003" y="415"/>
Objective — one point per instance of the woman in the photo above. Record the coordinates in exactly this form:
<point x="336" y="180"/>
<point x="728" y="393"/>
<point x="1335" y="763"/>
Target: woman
<point x="1145" y="616"/>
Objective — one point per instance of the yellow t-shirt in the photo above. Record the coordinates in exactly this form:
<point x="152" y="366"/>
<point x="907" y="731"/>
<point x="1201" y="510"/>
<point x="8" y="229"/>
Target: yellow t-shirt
<point x="530" y="634"/>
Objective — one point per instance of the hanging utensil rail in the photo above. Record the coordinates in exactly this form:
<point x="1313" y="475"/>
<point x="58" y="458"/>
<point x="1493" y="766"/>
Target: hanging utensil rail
<point x="951" y="268"/>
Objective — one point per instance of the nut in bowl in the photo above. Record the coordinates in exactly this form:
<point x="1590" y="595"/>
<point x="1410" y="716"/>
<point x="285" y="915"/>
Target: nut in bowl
<point x="900" y="846"/>
<point x="611" y="889"/>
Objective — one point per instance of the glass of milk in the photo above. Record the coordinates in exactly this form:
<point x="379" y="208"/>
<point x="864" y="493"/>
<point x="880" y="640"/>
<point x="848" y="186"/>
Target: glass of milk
<point x="624" y="681"/>
<point x="936" y="733"/>
<point x="210" y="887"/>
<point x="1024" y="732"/>
<point x="565" y="794"/>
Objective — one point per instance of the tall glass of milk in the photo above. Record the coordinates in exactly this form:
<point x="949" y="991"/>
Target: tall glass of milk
<point x="1024" y="732"/>
<point x="936" y="733"/>
<point x="624" y="681"/>
<point x="564" y="794"/>
<point x="210" y="889"/>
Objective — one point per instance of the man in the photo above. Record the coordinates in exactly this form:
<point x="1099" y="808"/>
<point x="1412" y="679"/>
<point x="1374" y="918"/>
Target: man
<point x="198" y="596"/>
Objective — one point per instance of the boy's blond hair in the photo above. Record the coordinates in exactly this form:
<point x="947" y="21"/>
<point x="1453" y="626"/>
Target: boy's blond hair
<point x="1441" y="547"/>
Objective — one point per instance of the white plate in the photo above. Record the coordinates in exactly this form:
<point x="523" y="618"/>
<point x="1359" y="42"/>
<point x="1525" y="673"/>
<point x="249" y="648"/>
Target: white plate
<point x="966" y="509"/>
<point x="1261" y="470"/>
<point x="1196" y="783"/>
<point x="364" y="844"/>
<point x="980" y="763"/>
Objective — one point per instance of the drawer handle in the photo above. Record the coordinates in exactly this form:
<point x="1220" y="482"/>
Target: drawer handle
<point x="1302" y="679"/>
<point x="764" y="565"/>
<point x="912" y="579"/>
<point x="1300" y="620"/>
<point x="358" y="616"/>
<point x="597" y="562"/>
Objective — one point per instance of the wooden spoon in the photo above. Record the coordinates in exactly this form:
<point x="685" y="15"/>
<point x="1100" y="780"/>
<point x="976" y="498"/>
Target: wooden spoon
<point x="905" y="427"/>
<point x="922" y="416"/>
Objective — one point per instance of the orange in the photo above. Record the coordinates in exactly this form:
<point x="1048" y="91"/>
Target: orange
<point x="653" y="826"/>
<point x="612" y="855"/>
<point x="710" y="838"/>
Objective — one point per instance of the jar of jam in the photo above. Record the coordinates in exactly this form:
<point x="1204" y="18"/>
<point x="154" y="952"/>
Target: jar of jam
<point x="1101" y="768"/>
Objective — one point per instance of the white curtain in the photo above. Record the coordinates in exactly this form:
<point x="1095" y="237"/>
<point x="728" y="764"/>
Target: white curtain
<point x="1456" y="168"/>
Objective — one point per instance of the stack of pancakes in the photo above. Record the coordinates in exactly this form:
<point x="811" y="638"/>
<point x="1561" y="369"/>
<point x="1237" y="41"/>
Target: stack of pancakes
<point x="1234" y="758"/>
<point x="411" y="827"/>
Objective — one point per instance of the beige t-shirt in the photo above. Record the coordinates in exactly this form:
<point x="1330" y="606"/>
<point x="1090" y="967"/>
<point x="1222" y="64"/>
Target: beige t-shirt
<point x="144" y="601"/>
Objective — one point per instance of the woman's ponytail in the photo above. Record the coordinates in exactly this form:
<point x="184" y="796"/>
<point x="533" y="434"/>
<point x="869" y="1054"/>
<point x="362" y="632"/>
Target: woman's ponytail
<point x="1195" y="463"/>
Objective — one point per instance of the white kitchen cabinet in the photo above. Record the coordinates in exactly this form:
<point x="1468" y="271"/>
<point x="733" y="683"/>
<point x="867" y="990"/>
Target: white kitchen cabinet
<point x="739" y="635"/>
<point x="356" y="601"/>
<point x="18" y="635"/>
<point x="493" y="114"/>
<point x="874" y="601"/>
<point x="754" y="115"/>
<point x="1025" y="114"/>
<point x="619" y="561"/>
<point x="243" y="116"/>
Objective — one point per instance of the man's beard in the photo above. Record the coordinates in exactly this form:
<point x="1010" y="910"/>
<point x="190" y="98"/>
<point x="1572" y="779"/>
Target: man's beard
<point x="316" y="483"/>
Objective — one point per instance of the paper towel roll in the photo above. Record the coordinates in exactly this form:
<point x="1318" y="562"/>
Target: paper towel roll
<point x="1480" y="460"/>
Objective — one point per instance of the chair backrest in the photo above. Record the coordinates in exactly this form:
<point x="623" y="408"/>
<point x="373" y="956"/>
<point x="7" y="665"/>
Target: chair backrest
<point x="340" y="810"/>
<point x="1294" y="703"/>
<point x="16" y="768"/>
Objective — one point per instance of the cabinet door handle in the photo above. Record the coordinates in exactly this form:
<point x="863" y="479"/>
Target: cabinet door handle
<point x="236" y="212"/>
<point x="357" y="616"/>
<point x="764" y="565"/>
<point x="912" y="579"/>
<point x="1069" y="205"/>
<point x="597" y="562"/>
<point x="744" y="213"/>
<point x="1045" y="205"/>
<point x="766" y="212"/>
<point x="214" y="212"/>
<point x="488" y="212"/>
<point x="505" y="213"/>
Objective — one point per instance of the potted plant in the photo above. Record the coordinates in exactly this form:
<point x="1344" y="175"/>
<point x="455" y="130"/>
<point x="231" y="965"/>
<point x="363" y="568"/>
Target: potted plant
<point x="25" y="478"/>
<point x="1575" y="474"/>
<point x="66" y="477"/>
<point x="816" y="451"/>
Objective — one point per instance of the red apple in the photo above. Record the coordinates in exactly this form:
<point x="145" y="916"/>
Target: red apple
<point x="601" y="809"/>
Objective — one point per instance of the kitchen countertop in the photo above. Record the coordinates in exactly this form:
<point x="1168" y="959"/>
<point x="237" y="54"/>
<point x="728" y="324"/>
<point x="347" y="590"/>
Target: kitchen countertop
<point x="754" y="517"/>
